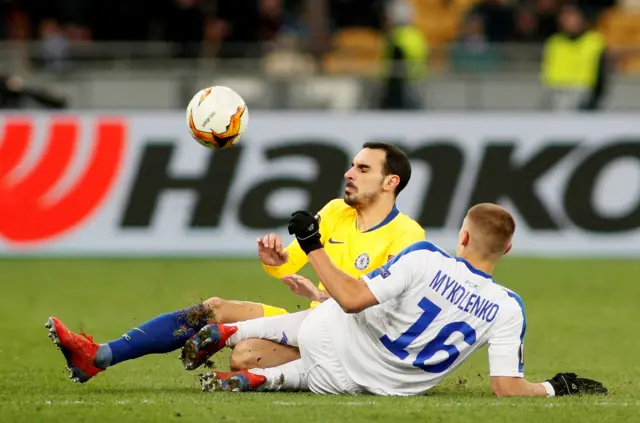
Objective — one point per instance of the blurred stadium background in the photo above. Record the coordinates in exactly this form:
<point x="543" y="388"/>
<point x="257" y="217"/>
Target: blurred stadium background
<point x="303" y="54"/>
<point x="110" y="213"/>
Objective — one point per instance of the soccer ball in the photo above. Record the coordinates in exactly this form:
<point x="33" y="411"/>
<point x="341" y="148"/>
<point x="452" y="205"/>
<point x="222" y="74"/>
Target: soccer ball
<point x="217" y="117"/>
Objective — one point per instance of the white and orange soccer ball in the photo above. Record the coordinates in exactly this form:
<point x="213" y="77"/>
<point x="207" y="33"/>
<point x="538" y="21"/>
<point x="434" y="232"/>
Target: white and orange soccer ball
<point x="217" y="117"/>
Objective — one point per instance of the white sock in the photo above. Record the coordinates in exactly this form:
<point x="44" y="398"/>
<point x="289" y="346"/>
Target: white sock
<point x="288" y="377"/>
<point x="282" y="329"/>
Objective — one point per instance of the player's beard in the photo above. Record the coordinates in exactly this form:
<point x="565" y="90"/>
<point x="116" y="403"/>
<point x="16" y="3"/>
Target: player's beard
<point x="360" y="201"/>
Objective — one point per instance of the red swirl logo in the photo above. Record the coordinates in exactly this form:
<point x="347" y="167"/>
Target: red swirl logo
<point x="26" y="215"/>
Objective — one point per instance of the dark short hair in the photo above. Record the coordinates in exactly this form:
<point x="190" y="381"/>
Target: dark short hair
<point x="396" y="163"/>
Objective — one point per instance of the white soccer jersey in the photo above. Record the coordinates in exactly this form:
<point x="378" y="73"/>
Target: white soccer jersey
<point x="434" y="311"/>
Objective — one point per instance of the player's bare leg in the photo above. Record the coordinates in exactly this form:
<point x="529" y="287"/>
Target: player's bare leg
<point x="220" y="311"/>
<point x="228" y="311"/>
<point x="261" y="354"/>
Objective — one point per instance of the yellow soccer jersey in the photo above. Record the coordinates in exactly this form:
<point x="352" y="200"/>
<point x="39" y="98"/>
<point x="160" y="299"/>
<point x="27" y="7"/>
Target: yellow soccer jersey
<point x="353" y="251"/>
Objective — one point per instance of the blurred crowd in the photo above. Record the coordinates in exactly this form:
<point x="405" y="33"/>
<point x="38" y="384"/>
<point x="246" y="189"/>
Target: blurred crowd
<point x="524" y="20"/>
<point x="243" y="24"/>
<point x="188" y="22"/>
<point x="573" y="56"/>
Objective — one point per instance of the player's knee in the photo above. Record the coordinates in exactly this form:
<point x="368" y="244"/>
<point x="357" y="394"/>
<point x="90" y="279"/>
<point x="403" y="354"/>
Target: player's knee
<point x="244" y="356"/>
<point x="215" y="309"/>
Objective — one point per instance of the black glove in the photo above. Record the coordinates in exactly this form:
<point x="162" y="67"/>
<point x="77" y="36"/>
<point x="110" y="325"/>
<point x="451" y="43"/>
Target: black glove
<point x="571" y="384"/>
<point x="306" y="228"/>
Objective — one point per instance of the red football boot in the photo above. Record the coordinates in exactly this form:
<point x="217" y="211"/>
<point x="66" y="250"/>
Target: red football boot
<point x="80" y="351"/>
<point x="208" y="341"/>
<point x="240" y="381"/>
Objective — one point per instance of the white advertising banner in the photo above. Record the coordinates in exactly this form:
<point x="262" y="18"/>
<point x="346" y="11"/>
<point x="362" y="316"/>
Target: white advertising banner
<point x="137" y="184"/>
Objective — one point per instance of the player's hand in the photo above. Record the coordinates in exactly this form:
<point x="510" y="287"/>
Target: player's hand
<point x="306" y="227"/>
<point x="571" y="384"/>
<point x="271" y="251"/>
<point x="302" y="286"/>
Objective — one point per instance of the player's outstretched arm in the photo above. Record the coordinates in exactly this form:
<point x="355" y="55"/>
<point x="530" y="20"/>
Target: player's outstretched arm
<point x="280" y="262"/>
<point x="352" y="294"/>
<point x="277" y="260"/>
<point x="560" y="385"/>
<point x="302" y="286"/>
<point x="506" y="361"/>
<point x="516" y="387"/>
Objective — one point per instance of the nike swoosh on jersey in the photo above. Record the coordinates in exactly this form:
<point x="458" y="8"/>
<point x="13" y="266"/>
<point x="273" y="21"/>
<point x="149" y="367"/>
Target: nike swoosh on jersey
<point x="331" y="241"/>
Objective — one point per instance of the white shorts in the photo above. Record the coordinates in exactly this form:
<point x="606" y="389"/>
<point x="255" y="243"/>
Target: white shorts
<point x="325" y="372"/>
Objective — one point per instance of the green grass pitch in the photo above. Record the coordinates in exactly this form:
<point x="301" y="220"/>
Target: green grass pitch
<point x="581" y="314"/>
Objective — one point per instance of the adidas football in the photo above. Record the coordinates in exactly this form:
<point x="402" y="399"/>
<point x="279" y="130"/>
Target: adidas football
<point x="217" y="117"/>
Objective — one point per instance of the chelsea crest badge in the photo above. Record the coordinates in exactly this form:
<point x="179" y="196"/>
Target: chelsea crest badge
<point x="362" y="262"/>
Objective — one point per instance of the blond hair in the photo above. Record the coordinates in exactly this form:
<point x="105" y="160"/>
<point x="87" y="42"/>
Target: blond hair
<point x="493" y="227"/>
